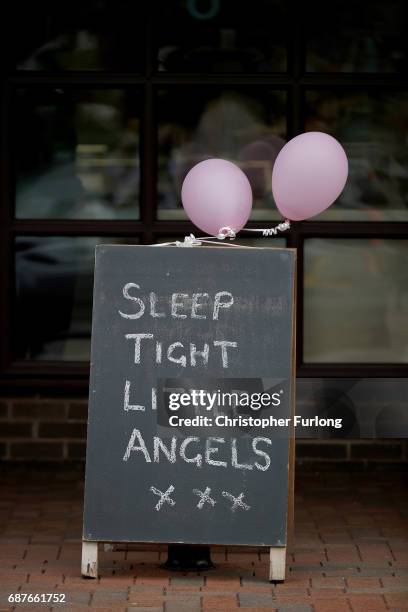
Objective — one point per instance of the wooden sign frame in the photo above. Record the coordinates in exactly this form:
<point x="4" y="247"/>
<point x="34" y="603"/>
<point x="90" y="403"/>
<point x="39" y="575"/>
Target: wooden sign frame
<point x="277" y="557"/>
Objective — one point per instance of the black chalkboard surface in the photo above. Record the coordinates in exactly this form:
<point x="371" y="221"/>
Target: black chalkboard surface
<point x="168" y="321"/>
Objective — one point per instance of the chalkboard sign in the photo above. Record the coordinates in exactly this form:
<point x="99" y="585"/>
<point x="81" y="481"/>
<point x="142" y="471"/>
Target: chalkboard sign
<point x="191" y="396"/>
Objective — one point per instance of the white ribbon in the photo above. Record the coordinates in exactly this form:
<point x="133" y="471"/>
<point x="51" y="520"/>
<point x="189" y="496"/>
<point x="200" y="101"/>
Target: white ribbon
<point x="226" y="232"/>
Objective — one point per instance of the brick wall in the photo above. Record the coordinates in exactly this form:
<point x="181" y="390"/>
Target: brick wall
<point x="45" y="429"/>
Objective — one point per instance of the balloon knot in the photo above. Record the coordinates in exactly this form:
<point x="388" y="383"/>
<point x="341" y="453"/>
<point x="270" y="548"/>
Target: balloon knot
<point x="226" y="232"/>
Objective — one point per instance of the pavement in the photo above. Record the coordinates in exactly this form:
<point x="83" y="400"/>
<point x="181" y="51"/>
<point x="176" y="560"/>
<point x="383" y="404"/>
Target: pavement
<point x="350" y="552"/>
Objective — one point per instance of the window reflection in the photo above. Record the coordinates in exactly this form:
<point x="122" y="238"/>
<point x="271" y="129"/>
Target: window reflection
<point x="356" y="36"/>
<point x="81" y="35"/>
<point x="373" y="128"/>
<point x="221" y="36"/>
<point x="356" y="301"/>
<point x="54" y="283"/>
<point x="77" y="154"/>
<point x="248" y="128"/>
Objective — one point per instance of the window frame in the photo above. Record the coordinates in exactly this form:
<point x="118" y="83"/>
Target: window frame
<point x="72" y="377"/>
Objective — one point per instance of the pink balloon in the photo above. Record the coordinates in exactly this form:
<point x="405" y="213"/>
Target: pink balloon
<point x="309" y="174"/>
<point x="216" y="194"/>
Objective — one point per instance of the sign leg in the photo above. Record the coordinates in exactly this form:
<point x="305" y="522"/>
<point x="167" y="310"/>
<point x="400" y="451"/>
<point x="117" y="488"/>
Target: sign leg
<point x="277" y="564"/>
<point x="89" y="566"/>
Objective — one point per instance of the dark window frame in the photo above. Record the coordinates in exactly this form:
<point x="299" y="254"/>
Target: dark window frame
<point x="72" y="377"/>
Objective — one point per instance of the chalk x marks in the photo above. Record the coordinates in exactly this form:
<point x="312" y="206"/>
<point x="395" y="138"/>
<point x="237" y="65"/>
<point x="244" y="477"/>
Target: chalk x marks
<point x="164" y="497"/>
<point x="236" y="501"/>
<point x="204" y="497"/>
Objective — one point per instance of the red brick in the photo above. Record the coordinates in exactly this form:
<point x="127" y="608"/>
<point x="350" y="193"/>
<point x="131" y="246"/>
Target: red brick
<point x="222" y="582"/>
<point x="42" y="553"/>
<point x="39" y="410"/>
<point x="180" y="588"/>
<point x="375" y="450"/>
<point x="62" y="430"/>
<point x="35" y="450"/>
<point x="12" y="552"/>
<point x="397" y="600"/>
<point x="291" y="599"/>
<point x="11" y="582"/>
<point x="375" y="552"/>
<point x="108" y="608"/>
<point x="218" y="556"/>
<point x="162" y="580"/>
<point x="338" y="593"/>
<point x="328" y="583"/>
<point x="343" y="554"/>
<point x="395" y="581"/>
<point x="3" y="409"/>
<point x="78" y="411"/>
<point x="245" y="558"/>
<point x="290" y="588"/>
<point x="401" y="557"/>
<point x="256" y="587"/>
<point x="15" y="430"/>
<point x="220" y="602"/>
<point x="145" y="600"/>
<point x="32" y="608"/>
<point x="143" y="556"/>
<point x="364" y="602"/>
<point x="48" y="507"/>
<point x="263" y="609"/>
<point x="321" y="450"/>
<point x="397" y="544"/>
<point x="309" y="558"/>
<point x="322" y="605"/>
<point x="156" y="589"/>
<point x="357" y="582"/>
<point x="102" y="596"/>
<point x="77" y="583"/>
<point x="76" y="450"/>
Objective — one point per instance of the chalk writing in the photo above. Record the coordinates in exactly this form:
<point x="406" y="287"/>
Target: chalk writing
<point x="164" y="497"/>
<point x="206" y="451"/>
<point x="236" y="501"/>
<point x="204" y="497"/>
<point x="203" y="334"/>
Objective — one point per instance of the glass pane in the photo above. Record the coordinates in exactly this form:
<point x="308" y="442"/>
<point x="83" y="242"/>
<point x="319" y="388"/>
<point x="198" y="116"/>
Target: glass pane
<point x="356" y="301"/>
<point x="53" y="309"/>
<point x="369" y="407"/>
<point x="373" y="129"/>
<point x="81" y="35"/>
<point x="77" y="154"/>
<point x="357" y="36"/>
<point x="196" y="123"/>
<point x="221" y="36"/>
